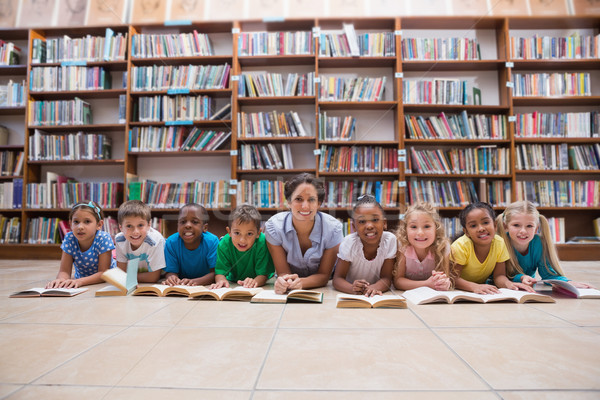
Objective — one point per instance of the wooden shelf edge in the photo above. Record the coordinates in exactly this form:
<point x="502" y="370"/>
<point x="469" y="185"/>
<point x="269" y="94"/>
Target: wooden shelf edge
<point x="578" y="251"/>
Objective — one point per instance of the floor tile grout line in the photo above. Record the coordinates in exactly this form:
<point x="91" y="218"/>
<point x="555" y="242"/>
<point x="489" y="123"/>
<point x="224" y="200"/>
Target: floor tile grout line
<point x="262" y="366"/>
<point x="455" y="353"/>
<point x="88" y="349"/>
<point x="151" y="348"/>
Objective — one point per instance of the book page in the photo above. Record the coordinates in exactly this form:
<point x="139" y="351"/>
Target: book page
<point x="270" y="296"/>
<point x="426" y="294"/>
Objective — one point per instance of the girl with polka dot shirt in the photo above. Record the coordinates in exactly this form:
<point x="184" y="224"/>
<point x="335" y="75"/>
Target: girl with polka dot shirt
<point x="87" y="248"/>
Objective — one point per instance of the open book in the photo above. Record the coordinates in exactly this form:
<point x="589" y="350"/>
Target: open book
<point x="54" y="292"/>
<point x="362" y="301"/>
<point x="567" y="288"/>
<point x="239" y="293"/>
<point x="166" y="290"/>
<point x="269" y="296"/>
<point x="121" y="283"/>
<point x="426" y="295"/>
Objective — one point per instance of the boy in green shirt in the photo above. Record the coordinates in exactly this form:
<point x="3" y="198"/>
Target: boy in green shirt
<point x="242" y="255"/>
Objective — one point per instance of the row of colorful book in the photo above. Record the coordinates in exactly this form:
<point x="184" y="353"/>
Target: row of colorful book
<point x="11" y="194"/>
<point x="44" y="146"/>
<point x="215" y="194"/>
<point x="478" y="160"/>
<point x="12" y="94"/>
<point x="456" y="48"/>
<point x="358" y="159"/>
<point x="173" y="108"/>
<point x="90" y="48"/>
<point x="267" y="156"/>
<point x="351" y="89"/>
<point x="179" y="78"/>
<point x="269" y="84"/>
<point x="10" y="230"/>
<point x="275" y="43"/>
<point x="270" y="124"/>
<point x="69" y="78"/>
<point x="11" y="162"/>
<point x="60" y="112"/>
<point x="344" y="193"/>
<point x="552" y="84"/>
<point x="574" y="46"/>
<point x="456" y="126"/>
<point x="561" y="124"/>
<point x="557" y="157"/>
<point x="190" y="44"/>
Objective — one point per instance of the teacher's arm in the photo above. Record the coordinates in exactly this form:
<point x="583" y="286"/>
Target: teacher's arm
<point x="321" y="277"/>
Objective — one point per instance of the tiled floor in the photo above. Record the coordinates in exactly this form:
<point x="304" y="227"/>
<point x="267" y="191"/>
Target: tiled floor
<point x="161" y="348"/>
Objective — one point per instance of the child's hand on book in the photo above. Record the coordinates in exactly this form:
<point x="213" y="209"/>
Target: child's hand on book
<point x="219" y="284"/>
<point x="370" y="292"/>
<point x="486" y="289"/>
<point x="519" y="286"/>
<point x="360" y="286"/>
<point x="172" y="280"/>
<point x="62" y="283"/>
<point x="287" y="282"/>
<point x="440" y="281"/>
<point x="187" y="282"/>
<point x="248" y="283"/>
<point x="528" y="280"/>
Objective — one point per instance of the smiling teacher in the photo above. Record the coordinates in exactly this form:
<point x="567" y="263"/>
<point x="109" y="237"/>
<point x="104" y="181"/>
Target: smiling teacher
<point x="303" y="242"/>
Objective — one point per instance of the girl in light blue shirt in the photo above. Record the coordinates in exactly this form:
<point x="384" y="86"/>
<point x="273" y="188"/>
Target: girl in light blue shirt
<point x="303" y="242"/>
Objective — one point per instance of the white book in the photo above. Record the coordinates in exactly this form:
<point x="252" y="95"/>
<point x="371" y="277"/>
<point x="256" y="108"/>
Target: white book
<point x="567" y="288"/>
<point x="427" y="295"/>
<point x="352" y="39"/>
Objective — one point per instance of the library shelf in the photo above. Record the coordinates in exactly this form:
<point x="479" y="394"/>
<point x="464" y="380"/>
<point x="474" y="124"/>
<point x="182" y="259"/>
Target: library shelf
<point x="76" y="162"/>
<point x="356" y="62"/>
<point x="15" y="69"/>
<point x="107" y="65"/>
<point x="385" y="143"/>
<point x="44" y="211"/>
<point x="495" y="68"/>
<point x="538" y="101"/>
<point x="199" y="122"/>
<point x="30" y="251"/>
<point x="453" y="108"/>
<point x="451" y="65"/>
<point x="84" y="94"/>
<point x="288" y="60"/>
<point x="357" y="105"/>
<point x="195" y="60"/>
<point x="276" y="100"/>
<point x="548" y="140"/>
<point x="282" y="139"/>
<point x="12" y="110"/>
<point x="10" y="177"/>
<point x="558" y="171"/>
<point x="71" y="128"/>
<point x="358" y="174"/>
<point x="273" y="171"/>
<point x="180" y="153"/>
<point x="491" y="175"/>
<point x="218" y="93"/>
<point x="457" y="142"/>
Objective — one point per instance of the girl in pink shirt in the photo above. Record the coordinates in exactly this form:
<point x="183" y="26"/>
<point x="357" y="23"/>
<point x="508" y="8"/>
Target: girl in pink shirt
<point x="423" y="250"/>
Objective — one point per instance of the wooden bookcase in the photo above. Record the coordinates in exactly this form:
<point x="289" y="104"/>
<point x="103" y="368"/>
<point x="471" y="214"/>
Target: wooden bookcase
<point x="379" y="123"/>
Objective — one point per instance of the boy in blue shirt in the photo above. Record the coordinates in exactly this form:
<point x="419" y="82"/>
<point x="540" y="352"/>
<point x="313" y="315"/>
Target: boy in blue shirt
<point x="191" y="253"/>
<point x="243" y="256"/>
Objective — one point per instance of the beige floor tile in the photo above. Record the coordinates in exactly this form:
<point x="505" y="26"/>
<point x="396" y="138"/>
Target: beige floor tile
<point x="581" y="312"/>
<point x="60" y="392"/>
<point x="554" y="395"/>
<point x="326" y="315"/>
<point x="331" y="395"/>
<point x="364" y="359"/>
<point x="6" y="389"/>
<point x="34" y="350"/>
<point x="232" y="314"/>
<point x="118" y="310"/>
<point x="487" y="315"/>
<point x="210" y="358"/>
<point x="12" y="307"/>
<point x="529" y="358"/>
<point x="170" y="315"/>
<point x="119" y="354"/>
<point x="179" y="394"/>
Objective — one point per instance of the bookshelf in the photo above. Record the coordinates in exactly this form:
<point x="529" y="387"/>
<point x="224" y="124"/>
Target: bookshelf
<point x="285" y="82"/>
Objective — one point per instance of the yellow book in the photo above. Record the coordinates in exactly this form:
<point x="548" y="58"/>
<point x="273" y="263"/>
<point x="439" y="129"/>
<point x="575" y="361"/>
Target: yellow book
<point x="121" y="283"/>
<point x="239" y="293"/>
<point x="344" y="300"/>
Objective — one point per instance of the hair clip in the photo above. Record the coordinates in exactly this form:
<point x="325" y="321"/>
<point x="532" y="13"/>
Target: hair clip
<point x="90" y="205"/>
<point x="366" y="196"/>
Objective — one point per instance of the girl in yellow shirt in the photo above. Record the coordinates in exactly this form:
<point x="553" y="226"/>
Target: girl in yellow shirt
<point x="480" y="253"/>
